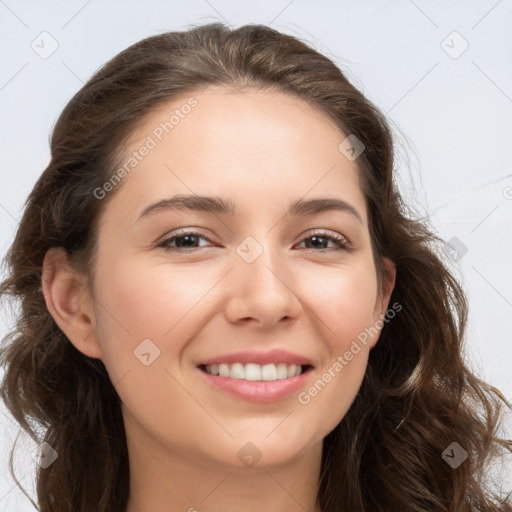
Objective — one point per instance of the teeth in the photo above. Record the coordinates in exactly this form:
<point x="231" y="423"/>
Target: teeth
<point x="282" y="371"/>
<point x="237" y="371"/>
<point x="269" y="372"/>
<point x="253" y="372"/>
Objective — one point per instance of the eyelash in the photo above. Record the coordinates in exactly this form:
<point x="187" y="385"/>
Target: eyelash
<point x="340" y="241"/>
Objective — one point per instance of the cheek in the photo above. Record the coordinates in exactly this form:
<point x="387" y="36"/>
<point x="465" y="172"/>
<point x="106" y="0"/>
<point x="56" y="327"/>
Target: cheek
<point x="327" y="399"/>
<point x="141" y="302"/>
<point x="342" y="300"/>
<point x="343" y="304"/>
<point x="146" y="316"/>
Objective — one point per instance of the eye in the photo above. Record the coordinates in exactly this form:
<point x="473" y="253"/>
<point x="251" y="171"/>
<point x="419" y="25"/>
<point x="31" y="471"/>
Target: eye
<point x="185" y="240"/>
<point x="318" y="236"/>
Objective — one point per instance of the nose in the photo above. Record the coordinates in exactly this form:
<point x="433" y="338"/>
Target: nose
<point x="261" y="292"/>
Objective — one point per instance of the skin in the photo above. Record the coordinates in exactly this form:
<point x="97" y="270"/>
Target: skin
<point x="262" y="150"/>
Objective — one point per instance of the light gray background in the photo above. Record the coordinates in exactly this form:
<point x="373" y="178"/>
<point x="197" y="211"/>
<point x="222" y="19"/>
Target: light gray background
<point x="451" y="110"/>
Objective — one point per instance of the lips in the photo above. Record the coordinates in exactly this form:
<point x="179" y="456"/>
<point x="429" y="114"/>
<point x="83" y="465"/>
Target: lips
<point x="257" y="357"/>
<point x="260" y="377"/>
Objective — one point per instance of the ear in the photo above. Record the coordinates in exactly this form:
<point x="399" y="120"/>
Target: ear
<point x="384" y="295"/>
<point x="69" y="302"/>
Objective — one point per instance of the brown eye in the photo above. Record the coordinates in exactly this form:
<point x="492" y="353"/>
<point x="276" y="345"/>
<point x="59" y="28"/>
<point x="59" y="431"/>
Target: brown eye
<point x="322" y="237"/>
<point x="185" y="240"/>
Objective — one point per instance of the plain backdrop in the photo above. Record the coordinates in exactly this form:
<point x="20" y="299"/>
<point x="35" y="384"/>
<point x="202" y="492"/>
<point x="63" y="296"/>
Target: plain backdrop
<point x="440" y="71"/>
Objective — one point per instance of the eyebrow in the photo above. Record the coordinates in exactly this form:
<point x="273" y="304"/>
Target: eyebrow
<point x="218" y="205"/>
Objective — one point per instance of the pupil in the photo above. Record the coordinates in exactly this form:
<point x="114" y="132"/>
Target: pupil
<point x="315" y="238"/>
<point x="179" y="241"/>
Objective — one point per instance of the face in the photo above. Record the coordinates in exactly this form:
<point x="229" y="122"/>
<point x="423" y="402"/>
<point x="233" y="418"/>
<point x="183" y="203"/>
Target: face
<point x="179" y="292"/>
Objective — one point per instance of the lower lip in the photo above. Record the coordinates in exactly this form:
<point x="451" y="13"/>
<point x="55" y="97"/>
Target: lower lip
<point x="257" y="391"/>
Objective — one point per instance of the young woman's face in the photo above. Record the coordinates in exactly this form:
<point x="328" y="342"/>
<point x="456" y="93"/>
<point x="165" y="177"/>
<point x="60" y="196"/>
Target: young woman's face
<point x="259" y="286"/>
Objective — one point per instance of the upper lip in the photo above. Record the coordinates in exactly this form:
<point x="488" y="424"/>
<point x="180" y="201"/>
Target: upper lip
<point x="272" y="356"/>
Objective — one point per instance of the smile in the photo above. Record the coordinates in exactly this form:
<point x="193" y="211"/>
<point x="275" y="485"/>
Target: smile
<point x="254" y="371"/>
<point x="256" y="383"/>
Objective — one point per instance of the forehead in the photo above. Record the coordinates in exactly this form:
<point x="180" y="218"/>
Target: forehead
<point x="227" y="115"/>
<point x="251" y="143"/>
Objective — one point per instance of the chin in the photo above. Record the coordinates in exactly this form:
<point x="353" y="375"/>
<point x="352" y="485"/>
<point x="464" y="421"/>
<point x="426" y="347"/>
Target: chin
<point x="263" y="451"/>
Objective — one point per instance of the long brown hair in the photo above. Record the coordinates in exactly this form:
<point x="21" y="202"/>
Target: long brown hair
<point x="418" y="395"/>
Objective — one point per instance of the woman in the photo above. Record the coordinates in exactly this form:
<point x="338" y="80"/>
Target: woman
<point x="225" y="304"/>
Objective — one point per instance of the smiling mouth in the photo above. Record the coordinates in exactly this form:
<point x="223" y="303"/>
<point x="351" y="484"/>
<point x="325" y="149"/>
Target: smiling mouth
<point x="255" y="372"/>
